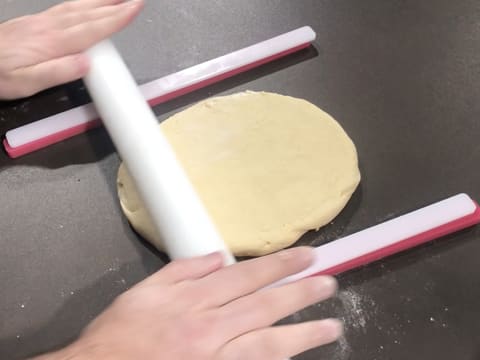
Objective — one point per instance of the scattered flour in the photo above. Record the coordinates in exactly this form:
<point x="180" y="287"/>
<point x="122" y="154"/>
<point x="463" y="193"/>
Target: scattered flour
<point x="356" y="310"/>
<point x="344" y="350"/>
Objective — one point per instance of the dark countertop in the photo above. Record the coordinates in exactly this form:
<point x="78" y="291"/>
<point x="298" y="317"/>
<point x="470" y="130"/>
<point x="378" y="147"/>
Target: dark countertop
<point x="401" y="76"/>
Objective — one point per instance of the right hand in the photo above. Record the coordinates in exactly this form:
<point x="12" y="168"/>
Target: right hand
<point x="47" y="49"/>
<point x="195" y="309"/>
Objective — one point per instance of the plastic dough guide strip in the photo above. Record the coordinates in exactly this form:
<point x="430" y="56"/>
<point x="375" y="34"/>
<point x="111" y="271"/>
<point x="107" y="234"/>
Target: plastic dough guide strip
<point x="407" y="231"/>
<point x="59" y="127"/>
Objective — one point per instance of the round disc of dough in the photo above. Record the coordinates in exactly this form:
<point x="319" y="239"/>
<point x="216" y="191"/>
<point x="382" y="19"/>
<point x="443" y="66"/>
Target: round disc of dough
<point x="268" y="168"/>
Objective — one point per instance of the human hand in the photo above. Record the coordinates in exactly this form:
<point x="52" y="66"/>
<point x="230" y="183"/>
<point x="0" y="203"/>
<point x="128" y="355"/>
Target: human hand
<point x="46" y="49"/>
<point x="194" y="309"/>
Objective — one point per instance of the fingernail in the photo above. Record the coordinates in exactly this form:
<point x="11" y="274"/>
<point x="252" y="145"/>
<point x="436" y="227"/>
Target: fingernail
<point x="132" y="4"/>
<point x="83" y="64"/>
<point x="213" y="256"/>
<point x="333" y="327"/>
<point x="326" y="284"/>
<point x="213" y="260"/>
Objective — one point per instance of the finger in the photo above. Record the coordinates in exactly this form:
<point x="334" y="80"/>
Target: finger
<point x="186" y="269"/>
<point x="246" y="277"/>
<point x="32" y="79"/>
<point x="80" y="37"/>
<point x="78" y="5"/>
<point x="73" y="18"/>
<point x="266" y="307"/>
<point x="281" y="342"/>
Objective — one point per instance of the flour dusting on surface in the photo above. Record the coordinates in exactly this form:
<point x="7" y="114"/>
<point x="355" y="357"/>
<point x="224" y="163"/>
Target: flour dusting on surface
<point x="344" y="350"/>
<point x="357" y="309"/>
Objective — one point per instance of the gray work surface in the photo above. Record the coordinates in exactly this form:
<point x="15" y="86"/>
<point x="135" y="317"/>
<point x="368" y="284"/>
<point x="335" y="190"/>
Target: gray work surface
<point x="402" y="77"/>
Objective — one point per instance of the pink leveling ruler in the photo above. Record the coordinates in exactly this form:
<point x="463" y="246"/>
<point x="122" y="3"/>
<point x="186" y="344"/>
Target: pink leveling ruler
<point x="53" y="129"/>
<point x="404" y="232"/>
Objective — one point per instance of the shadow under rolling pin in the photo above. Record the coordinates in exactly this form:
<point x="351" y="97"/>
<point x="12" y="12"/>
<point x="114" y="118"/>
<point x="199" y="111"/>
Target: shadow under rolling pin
<point x="393" y="236"/>
<point x="42" y="133"/>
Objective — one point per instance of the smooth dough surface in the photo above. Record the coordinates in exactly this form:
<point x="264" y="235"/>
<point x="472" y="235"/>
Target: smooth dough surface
<point x="268" y="168"/>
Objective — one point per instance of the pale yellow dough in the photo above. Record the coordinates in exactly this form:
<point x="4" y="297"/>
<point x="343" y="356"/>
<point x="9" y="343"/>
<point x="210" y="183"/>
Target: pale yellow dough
<point x="267" y="167"/>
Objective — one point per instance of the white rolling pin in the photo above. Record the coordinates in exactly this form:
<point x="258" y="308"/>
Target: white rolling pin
<point x="176" y="210"/>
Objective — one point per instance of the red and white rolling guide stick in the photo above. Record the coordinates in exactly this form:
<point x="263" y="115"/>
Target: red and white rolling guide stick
<point x="53" y="129"/>
<point x="393" y="236"/>
<point x="404" y="232"/>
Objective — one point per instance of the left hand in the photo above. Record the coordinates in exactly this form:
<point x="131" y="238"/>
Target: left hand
<point x="47" y="49"/>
